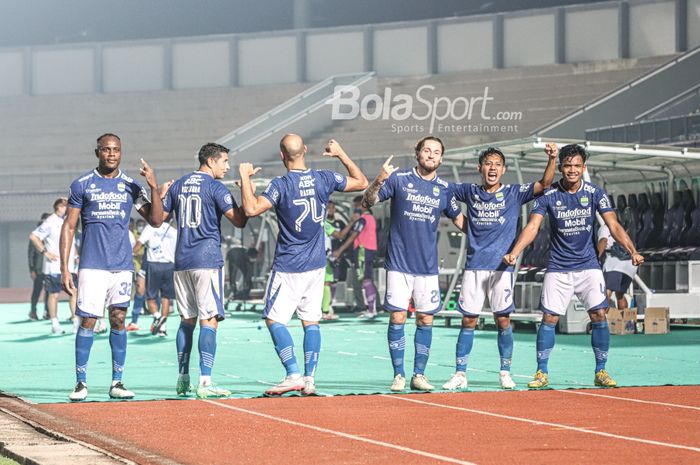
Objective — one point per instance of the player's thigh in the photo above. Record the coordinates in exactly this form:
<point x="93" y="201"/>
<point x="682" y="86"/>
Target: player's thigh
<point x="153" y="282"/>
<point x="167" y="288"/>
<point x="501" y="292"/>
<point x="119" y="291"/>
<point x="185" y="294"/>
<point x="209" y="285"/>
<point x="311" y="301"/>
<point x="557" y="291"/>
<point x="52" y="283"/>
<point x="399" y="289"/>
<point x="426" y="294"/>
<point x="282" y="296"/>
<point x="473" y="293"/>
<point x="589" y="286"/>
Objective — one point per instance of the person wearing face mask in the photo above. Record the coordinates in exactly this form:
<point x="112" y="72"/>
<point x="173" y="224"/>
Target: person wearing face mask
<point x="45" y="239"/>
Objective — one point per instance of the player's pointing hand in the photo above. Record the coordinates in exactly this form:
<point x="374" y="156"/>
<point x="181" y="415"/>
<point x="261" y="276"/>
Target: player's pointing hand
<point x="148" y="173"/>
<point x="247" y="170"/>
<point x="387" y="168"/>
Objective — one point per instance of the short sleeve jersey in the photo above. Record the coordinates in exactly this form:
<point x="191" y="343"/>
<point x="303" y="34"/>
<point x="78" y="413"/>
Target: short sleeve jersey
<point x="105" y="207"/>
<point x="300" y="199"/>
<point x="160" y="243"/>
<point x="50" y="233"/>
<point x="198" y="201"/>
<point x="492" y="222"/>
<point x="572" y="223"/>
<point x="416" y="206"/>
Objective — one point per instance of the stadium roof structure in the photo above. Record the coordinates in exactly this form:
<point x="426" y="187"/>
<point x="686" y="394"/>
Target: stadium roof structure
<point x="614" y="163"/>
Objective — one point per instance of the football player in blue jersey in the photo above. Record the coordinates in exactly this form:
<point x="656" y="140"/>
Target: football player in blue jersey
<point x="573" y="269"/>
<point x="418" y="198"/>
<point x="492" y="215"/>
<point x="300" y="200"/>
<point x="199" y="200"/>
<point x="102" y="199"/>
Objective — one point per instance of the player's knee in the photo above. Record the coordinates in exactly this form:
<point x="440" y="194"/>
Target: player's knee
<point x="550" y="319"/>
<point x="398" y="318"/>
<point x="502" y="321"/>
<point x="469" y="322"/>
<point x="597" y="316"/>
<point x="423" y="319"/>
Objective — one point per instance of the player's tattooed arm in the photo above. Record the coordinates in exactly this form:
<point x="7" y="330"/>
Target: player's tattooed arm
<point x="552" y="152"/>
<point x="527" y="235"/>
<point x="372" y="193"/>
<point x="356" y="180"/>
<point x="620" y="235"/>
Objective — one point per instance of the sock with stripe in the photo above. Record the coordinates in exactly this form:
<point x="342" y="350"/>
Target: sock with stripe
<point x="465" y="342"/>
<point x="397" y="347"/>
<point x="312" y="347"/>
<point x="117" y="342"/>
<point x="284" y="345"/>
<point x="207" y="351"/>
<point x="422" y="340"/>
<point x="183" y="343"/>
<point x="545" y="344"/>
<point x="600" y="341"/>
<point x="83" y="345"/>
<point x="505" y="347"/>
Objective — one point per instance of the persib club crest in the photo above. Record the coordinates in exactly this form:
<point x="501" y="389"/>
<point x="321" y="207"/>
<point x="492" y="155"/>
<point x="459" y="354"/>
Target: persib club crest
<point x="584" y="201"/>
<point x="121" y="187"/>
<point x="436" y="191"/>
<point x="499" y="196"/>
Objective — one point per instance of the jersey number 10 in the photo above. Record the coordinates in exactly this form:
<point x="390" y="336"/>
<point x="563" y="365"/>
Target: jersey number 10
<point x="190" y="212"/>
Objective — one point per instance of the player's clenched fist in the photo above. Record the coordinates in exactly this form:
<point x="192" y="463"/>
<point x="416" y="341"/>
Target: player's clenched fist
<point x="333" y="149"/>
<point x="510" y="259"/>
<point x="551" y="150"/>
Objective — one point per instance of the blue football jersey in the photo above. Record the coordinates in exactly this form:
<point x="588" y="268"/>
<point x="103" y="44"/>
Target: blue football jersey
<point x="105" y="208"/>
<point x="416" y="206"/>
<point x="300" y="199"/>
<point x="198" y="201"/>
<point x="572" y="222"/>
<point x="492" y="222"/>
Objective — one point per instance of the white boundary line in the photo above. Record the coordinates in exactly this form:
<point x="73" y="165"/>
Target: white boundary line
<point x="665" y="404"/>
<point x="343" y="435"/>
<point x="545" y="423"/>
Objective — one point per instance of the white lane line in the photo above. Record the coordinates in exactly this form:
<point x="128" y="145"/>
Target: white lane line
<point x="545" y="423"/>
<point x="343" y="435"/>
<point x="347" y="353"/>
<point x="665" y="404"/>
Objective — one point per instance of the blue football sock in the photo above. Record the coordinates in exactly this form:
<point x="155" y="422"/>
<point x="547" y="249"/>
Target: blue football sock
<point x="183" y="342"/>
<point x="83" y="344"/>
<point x="600" y="341"/>
<point x="139" y="300"/>
<point x="284" y="345"/>
<point x="545" y="344"/>
<point x="422" y="340"/>
<point x="117" y="341"/>
<point x="465" y="342"/>
<point x="312" y="347"/>
<point x="397" y="347"/>
<point x="207" y="349"/>
<point x="505" y="347"/>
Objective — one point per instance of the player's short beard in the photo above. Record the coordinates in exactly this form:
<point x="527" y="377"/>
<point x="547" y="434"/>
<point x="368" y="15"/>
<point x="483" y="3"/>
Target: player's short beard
<point x="427" y="169"/>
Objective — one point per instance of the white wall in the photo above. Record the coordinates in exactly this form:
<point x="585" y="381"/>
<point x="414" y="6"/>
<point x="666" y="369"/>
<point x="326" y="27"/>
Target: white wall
<point x="201" y="64"/>
<point x="63" y="71"/>
<point x="652" y="29"/>
<point x="268" y="60"/>
<point x="528" y="40"/>
<point x="592" y="35"/>
<point x="693" y="23"/>
<point x="334" y="53"/>
<point x="134" y="67"/>
<point x="401" y="51"/>
<point x="11" y="73"/>
<point x="465" y="46"/>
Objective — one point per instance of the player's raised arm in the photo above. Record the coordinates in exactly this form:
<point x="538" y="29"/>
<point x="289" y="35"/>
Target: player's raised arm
<point x="527" y="235"/>
<point x="252" y="205"/>
<point x="153" y="213"/>
<point x="552" y="152"/>
<point x="620" y="235"/>
<point x="64" y="247"/>
<point x="356" y="180"/>
<point x="371" y="194"/>
<point x="237" y="216"/>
